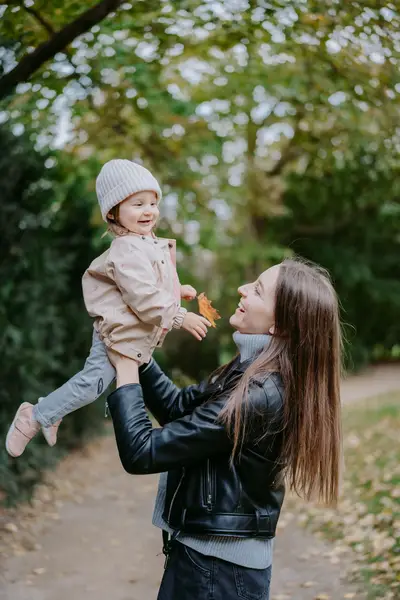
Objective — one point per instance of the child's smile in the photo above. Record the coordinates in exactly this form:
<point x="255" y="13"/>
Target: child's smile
<point x="139" y="212"/>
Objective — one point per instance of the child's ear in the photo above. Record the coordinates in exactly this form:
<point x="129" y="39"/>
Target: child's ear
<point x="110" y="217"/>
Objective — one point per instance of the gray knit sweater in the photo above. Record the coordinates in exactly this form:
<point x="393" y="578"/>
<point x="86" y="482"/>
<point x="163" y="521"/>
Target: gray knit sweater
<point x="247" y="552"/>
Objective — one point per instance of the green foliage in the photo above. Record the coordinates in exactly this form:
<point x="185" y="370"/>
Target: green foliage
<point x="272" y="128"/>
<point x="348" y="219"/>
<point x="45" y="333"/>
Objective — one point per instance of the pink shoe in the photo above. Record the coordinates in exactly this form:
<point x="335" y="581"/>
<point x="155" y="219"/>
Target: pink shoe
<point x="22" y="430"/>
<point x="50" y="433"/>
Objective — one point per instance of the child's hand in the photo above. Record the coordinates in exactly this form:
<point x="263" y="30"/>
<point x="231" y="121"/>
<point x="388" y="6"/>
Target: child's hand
<point x="196" y="325"/>
<point x="188" y="292"/>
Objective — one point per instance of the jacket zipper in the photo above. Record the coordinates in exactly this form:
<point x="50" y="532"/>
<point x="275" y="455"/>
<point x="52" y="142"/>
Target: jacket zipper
<point x="209" y="487"/>
<point x="175" y="493"/>
<point x="106" y="411"/>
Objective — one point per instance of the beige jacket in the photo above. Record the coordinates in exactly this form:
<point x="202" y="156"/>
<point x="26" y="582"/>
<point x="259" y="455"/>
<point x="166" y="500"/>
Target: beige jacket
<point x="133" y="292"/>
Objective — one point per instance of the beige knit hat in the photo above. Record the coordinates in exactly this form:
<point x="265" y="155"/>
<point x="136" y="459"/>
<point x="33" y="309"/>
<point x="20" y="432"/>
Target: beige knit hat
<point x="119" y="179"/>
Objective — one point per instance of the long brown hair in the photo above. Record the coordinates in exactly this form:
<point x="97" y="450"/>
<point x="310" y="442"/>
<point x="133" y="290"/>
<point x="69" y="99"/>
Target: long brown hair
<point x="306" y="350"/>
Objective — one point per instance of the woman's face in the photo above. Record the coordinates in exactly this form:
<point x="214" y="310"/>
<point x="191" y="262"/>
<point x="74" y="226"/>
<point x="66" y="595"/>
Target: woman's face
<point x="256" y="310"/>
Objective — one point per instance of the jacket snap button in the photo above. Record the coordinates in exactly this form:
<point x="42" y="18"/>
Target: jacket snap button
<point x="155" y="241"/>
<point x="162" y="262"/>
<point x="139" y="355"/>
<point x="143" y="237"/>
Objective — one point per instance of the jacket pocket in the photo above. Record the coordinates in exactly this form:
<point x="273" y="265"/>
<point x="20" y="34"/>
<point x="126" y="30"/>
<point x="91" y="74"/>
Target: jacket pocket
<point x="156" y="337"/>
<point x="252" y="584"/>
<point x="160" y="266"/>
<point x="208" y="485"/>
<point x="175" y="493"/>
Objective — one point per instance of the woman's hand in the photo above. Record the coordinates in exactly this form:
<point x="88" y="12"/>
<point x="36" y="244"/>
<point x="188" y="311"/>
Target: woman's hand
<point x="127" y="368"/>
<point x="188" y="292"/>
<point x="196" y="325"/>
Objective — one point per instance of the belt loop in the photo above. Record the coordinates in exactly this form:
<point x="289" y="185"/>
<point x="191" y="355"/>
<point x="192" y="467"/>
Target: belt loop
<point x="167" y="544"/>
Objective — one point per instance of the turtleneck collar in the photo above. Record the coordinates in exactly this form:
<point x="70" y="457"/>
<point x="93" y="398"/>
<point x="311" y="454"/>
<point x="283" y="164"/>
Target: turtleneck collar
<point x="250" y="344"/>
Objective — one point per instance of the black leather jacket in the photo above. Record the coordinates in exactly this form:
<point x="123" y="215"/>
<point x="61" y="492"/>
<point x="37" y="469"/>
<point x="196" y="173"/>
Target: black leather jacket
<point x="205" y="493"/>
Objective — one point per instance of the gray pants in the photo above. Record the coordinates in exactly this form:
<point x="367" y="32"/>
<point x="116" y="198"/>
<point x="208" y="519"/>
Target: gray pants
<point x="83" y="388"/>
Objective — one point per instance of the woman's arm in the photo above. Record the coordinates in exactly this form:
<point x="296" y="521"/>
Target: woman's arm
<point x="183" y="442"/>
<point x="166" y="401"/>
<point x="163" y="398"/>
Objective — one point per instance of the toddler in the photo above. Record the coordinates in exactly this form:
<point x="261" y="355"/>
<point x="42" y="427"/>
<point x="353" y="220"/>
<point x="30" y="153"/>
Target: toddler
<point x="133" y="293"/>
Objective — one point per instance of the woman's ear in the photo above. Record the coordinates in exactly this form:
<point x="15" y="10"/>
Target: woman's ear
<point x="271" y="330"/>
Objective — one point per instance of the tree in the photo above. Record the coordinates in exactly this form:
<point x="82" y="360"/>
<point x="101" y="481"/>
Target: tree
<point x="226" y="104"/>
<point x="46" y="334"/>
<point x="352" y="227"/>
<point x="272" y="126"/>
<point x="58" y="40"/>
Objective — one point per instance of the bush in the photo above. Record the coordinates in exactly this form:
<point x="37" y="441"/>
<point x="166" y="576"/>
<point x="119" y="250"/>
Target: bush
<point x="348" y="220"/>
<point x="45" y="246"/>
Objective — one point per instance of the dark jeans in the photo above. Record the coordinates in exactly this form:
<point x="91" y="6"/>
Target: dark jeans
<point x="190" y="575"/>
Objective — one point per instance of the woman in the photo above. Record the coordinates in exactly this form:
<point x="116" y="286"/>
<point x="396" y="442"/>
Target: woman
<point x="227" y="444"/>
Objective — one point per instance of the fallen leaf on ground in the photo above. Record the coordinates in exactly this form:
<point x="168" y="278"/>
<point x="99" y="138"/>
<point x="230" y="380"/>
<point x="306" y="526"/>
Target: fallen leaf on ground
<point x="304" y="557"/>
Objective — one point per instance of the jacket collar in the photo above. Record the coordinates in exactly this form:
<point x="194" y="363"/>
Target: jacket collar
<point x="240" y="367"/>
<point x="237" y="368"/>
<point x="154" y="240"/>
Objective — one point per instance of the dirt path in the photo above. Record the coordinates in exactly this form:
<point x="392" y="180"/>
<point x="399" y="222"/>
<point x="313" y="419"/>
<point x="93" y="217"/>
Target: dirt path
<point x="376" y="380"/>
<point x="89" y="537"/>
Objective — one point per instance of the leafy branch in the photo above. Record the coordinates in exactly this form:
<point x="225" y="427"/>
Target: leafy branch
<point x="58" y="41"/>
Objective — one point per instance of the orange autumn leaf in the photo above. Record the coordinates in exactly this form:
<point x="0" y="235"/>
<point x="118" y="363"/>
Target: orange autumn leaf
<point x="206" y="310"/>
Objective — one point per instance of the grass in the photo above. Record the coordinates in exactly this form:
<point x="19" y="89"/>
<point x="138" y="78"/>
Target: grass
<point x="368" y="516"/>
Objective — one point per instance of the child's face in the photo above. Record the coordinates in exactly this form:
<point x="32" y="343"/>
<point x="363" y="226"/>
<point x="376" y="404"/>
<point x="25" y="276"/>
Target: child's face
<point x="139" y="212"/>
